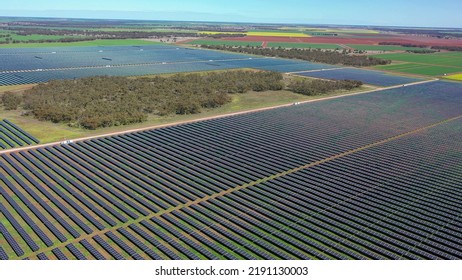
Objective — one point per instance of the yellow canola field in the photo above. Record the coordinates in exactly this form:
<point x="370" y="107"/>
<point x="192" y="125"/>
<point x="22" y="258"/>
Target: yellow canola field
<point x="457" y="77"/>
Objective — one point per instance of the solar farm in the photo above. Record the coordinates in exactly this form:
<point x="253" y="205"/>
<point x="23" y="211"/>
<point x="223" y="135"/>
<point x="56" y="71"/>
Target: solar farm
<point x="368" y="176"/>
<point x="366" y="76"/>
<point x="36" y="65"/>
<point x="12" y="136"/>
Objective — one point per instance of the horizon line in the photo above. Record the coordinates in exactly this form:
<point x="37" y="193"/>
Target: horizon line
<point x="228" y="22"/>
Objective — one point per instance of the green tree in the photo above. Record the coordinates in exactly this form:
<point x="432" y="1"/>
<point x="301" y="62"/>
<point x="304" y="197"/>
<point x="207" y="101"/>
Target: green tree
<point x="11" y="101"/>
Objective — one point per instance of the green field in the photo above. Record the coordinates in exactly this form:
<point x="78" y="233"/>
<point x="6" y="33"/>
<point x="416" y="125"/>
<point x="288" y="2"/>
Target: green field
<point x="226" y="43"/>
<point x="436" y="64"/>
<point x="303" y="45"/>
<point x="381" y="48"/>
<point x="115" y="42"/>
<point x="34" y="37"/>
<point x="419" y="69"/>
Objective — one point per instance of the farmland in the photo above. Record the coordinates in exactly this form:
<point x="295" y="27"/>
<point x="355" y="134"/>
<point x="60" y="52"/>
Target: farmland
<point x="457" y="77"/>
<point x="381" y="48"/>
<point x="277" y="34"/>
<point x="375" y="40"/>
<point x="424" y="64"/>
<point x="223" y="42"/>
<point x="348" y="183"/>
<point x="303" y="45"/>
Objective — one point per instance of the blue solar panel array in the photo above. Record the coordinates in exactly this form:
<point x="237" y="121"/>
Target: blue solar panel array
<point x="366" y="76"/>
<point x="12" y="136"/>
<point x="405" y="192"/>
<point x="36" y="65"/>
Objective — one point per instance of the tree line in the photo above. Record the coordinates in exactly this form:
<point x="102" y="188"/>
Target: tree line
<point x="314" y="87"/>
<point x="88" y="34"/>
<point x="437" y="48"/>
<point x="312" y="55"/>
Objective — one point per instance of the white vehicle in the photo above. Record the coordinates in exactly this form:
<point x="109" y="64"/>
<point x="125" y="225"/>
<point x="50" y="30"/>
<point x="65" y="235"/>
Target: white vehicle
<point x="67" y="142"/>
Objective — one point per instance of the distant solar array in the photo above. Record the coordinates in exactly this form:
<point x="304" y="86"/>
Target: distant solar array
<point x="12" y="136"/>
<point x="366" y="76"/>
<point x="195" y="191"/>
<point x="25" y="66"/>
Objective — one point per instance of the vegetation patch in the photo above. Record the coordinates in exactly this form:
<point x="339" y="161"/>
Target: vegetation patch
<point x="10" y="100"/>
<point x="319" y="87"/>
<point x="111" y="101"/>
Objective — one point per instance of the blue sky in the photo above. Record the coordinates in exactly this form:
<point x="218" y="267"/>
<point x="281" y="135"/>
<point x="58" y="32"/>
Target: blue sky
<point x="442" y="13"/>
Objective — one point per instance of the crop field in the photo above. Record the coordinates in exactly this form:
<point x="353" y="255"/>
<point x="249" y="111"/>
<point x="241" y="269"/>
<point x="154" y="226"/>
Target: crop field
<point x="278" y="34"/>
<point x="337" y="179"/>
<point x="424" y="64"/>
<point x="303" y="45"/>
<point x="12" y="136"/>
<point x="224" y="43"/>
<point x="381" y="48"/>
<point x="365" y="76"/>
<point x="419" y="69"/>
<point x="348" y="40"/>
<point x="220" y="32"/>
<point x="326" y="30"/>
<point x="442" y="59"/>
<point x="457" y="77"/>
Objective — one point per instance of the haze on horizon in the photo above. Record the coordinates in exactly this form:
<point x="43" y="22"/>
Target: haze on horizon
<point x="422" y="13"/>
